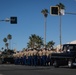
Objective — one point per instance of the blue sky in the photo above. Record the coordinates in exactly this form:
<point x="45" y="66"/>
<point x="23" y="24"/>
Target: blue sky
<point x="31" y="21"/>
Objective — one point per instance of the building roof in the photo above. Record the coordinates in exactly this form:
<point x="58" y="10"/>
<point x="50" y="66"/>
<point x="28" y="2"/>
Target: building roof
<point x="72" y="42"/>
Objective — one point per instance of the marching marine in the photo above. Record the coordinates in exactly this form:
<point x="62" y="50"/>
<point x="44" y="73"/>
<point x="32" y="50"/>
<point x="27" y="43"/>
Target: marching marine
<point x="35" y="58"/>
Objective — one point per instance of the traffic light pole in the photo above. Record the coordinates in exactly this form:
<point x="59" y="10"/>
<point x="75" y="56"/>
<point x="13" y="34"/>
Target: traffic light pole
<point x="12" y="20"/>
<point x="60" y="32"/>
<point x="55" y="10"/>
<point x="70" y="13"/>
<point x="2" y="20"/>
<point x="61" y="28"/>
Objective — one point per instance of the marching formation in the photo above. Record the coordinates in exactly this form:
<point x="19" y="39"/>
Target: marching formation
<point x="33" y="57"/>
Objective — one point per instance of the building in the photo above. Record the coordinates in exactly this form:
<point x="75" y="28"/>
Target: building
<point x="58" y="46"/>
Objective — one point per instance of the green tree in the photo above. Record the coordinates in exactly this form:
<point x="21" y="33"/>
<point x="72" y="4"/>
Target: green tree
<point x="5" y="40"/>
<point x="50" y="44"/>
<point x="39" y="42"/>
<point x="9" y="37"/>
<point x="45" y="13"/>
<point x="61" y="6"/>
<point x="34" y="41"/>
<point x="2" y="48"/>
<point x="6" y="44"/>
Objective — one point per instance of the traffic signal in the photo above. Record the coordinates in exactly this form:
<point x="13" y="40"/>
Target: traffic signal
<point x="54" y="10"/>
<point x="13" y="20"/>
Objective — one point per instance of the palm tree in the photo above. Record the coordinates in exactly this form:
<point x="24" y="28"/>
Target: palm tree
<point x="31" y="41"/>
<point x="50" y="44"/>
<point x="2" y="48"/>
<point x="5" y="40"/>
<point x="6" y="44"/>
<point x="61" y="7"/>
<point x="34" y="41"/>
<point x="39" y="42"/>
<point x="45" y="13"/>
<point x="9" y="36"/>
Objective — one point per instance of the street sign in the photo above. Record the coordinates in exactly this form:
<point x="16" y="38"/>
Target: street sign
<point x="13" y="20"/>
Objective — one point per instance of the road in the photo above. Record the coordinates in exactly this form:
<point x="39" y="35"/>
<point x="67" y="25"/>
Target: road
<point x="32" y="70"/>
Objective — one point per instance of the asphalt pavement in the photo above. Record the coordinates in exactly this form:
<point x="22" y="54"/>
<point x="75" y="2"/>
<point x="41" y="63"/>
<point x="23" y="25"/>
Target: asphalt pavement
<point x="35" y="70"/>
